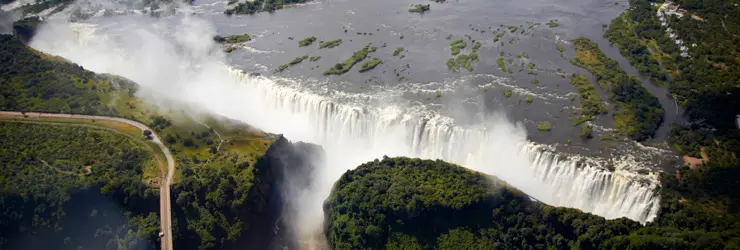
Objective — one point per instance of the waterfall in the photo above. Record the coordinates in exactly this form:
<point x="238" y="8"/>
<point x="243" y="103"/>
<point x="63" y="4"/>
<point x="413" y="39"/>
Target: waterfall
<point x="352" y="128"/>
<point x="553" y="178"/>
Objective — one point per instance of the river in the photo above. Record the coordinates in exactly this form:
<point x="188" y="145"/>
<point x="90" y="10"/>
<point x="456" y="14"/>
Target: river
<point x="423" y="111"/>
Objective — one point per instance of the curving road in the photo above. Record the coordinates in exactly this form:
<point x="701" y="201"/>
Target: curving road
<point x="164" y="191"/>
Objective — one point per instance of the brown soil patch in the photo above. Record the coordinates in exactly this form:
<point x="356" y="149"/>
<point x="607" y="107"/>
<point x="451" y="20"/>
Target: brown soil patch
<point x="693" y="161"/>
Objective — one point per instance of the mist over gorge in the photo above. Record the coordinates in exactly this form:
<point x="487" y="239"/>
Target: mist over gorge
<point x="174" y="56"/>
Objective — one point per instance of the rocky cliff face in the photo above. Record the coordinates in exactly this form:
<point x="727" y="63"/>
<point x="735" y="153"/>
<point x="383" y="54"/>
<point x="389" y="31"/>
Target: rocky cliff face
<point x="286" y="167"/>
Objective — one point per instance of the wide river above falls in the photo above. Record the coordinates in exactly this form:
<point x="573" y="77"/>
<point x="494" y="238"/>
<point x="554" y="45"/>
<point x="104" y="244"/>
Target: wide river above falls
<point x="411" y="104"/>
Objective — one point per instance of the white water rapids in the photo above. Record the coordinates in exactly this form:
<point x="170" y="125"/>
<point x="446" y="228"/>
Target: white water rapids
<point x="352" y="129"/>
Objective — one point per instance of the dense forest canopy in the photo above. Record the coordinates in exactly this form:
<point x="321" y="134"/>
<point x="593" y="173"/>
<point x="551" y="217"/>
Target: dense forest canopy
<point x="706" y="83"/>
<point x="404" y="203"/>
<point x="43" y="166"/>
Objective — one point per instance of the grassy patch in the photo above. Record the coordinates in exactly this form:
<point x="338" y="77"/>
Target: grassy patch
<point x="295" y="61"/>
<point x="586" y="131"/>
<point x="544" y="126"/>
<point x="330" y="44"/>
<point x="307" y="41"/>
<point x="498" y="36"/>
<point x="314" y="58"/>
<point x="501" y="64"/>
<point x="506" y="92"/>
<point x="476" y="46"/>
<point x="591" y="104"/>
<point x="232" y="39"/>
<point x="456" y="46"/>
<point x="370" y="64"/>
<point x="559" y="48"/>
<point x="420" y="8"/>
<point x="397" y="51"/>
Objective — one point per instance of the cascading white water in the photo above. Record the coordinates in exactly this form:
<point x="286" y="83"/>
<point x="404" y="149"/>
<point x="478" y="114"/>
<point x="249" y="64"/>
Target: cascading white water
<point x="352" y="129"/>
<point x="550" y="177"/>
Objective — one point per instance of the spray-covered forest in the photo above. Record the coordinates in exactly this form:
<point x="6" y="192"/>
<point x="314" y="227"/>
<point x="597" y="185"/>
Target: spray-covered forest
<point x="404" y="203"/>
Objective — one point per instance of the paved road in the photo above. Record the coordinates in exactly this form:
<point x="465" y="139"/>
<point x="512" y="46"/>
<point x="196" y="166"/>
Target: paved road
<point x="164" y="191"/>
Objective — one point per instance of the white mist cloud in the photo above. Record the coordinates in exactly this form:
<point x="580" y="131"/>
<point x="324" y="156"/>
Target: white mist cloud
<point x="175" y="56"/>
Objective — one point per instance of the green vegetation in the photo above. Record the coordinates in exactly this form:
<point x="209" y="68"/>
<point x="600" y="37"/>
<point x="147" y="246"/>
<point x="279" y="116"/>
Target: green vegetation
<point x="341" y="68"/>
<point x="520" y="55"/>
<point x="330" y="44"/>
<point x="47" y="168"/>
<point x="370" y="64"/>
<point x="638" y="113"/>
<point x="507" y="92"/>
<point x="553" y="24"/>
<point x="528" y="99"/>
<point x="397" y="51"/>
<point x="591" y="104"/>
<point x="544" y="126"/>
<point x="314" y="58"/>
<point x="513" y="28"/>
<point x="208" y="215"/>
<point x="559" y="48"/>
<point x="698" y="202"/>
<point x="452" y="65"/>
<point x="501" y="64"/>
<point x="705" y="83"/>
<point x="295" y="61"/>
<point x="476" y="46"/>
<point x="640" y="37"/>
<point x="462" y="60"/>
<point x="586" y="131"/>
<point x="232" y="39"/>
<point x="402" y="203"/>
<point x="307" y="41"/>
<point x="251" y="7"/>
<point x="498" y="36"/>
<point x="535" y="81"/>
<point x="456" y="46"/>
<point x="420" y="8"/>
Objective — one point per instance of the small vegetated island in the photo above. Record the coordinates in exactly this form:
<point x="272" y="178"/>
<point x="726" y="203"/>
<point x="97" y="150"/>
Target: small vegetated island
<point x="330" y="44"/>
<point x="247" y="7"/>
<point x="404" y="203"/>
<point x="341" y="68"/>
<point x="240" y="38"/>
<point x="420" y="8"/>
<point x="639" y="113"/>
<point x="230" y="41"/>
<point x="397" y="51"/>
<point x="307" y="41"/>
<point x="295" y="61"/>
